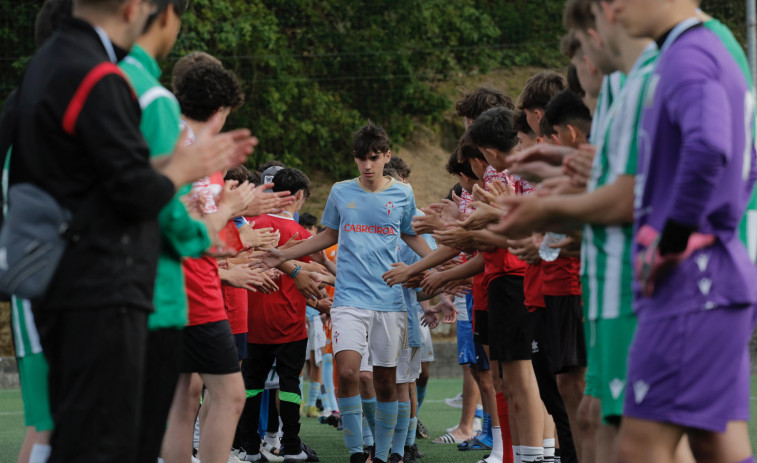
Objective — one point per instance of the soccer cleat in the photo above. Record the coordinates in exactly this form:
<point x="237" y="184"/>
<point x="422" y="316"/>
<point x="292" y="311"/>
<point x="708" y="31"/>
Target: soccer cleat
<point x="421" y="432"/>
<point x="395" y="458"/>
<point x="333" y="419"/>
<point x="312" y="412"/>
<point x="244" y="456"/>
<point x="357" y="457"/>
<point x="409" y="456"/>
<point x="416" y="452"/>
<point x="369" y="452"/>
<point x="312" y="457"/>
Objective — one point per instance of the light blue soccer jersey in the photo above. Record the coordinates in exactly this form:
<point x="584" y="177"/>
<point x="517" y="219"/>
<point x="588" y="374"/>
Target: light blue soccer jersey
<point x="369" y="226"/>
<point x="409" y="257"/>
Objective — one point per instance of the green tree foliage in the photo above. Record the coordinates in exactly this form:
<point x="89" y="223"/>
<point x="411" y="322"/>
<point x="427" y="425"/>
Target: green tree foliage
<point x="314" y="71"/>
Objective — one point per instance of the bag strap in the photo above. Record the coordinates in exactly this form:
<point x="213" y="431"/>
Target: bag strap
<point x="88" y="207"/>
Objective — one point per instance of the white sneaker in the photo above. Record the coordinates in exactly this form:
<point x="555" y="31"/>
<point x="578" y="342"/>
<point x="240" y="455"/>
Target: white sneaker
<point x="233" y="459"/>
<point x="302" y="456"/>
<point x="268" y="452"/>
<point x="244" y="456"/>
<point x="455" y="402"/>
<point x="195" y="460"/>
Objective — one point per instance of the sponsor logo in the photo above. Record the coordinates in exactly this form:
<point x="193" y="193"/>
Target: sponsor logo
<point x="534" y="347"/>
<point x="616" y="387"/>
<point x="377" y="229"/>
<point x="351" y="205"/>
<point x="702" y="261"/>
<point x="389" y="206"/>
<point x="640" y="389"/>
<point x="336" y="337"/>
<point x="3" y="259"/>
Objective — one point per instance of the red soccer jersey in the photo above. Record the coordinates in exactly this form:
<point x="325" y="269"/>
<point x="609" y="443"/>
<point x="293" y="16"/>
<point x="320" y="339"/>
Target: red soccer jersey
<point x="201" y="274"/>
<point x="278" y="317"/>
<point x="532" y="283"/>
<point x="561" y="277"/>
<point x="235" y="302"/>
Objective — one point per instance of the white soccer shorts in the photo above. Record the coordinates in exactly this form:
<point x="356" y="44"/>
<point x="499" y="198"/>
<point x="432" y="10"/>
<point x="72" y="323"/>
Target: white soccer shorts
<point x="382" y="334"/>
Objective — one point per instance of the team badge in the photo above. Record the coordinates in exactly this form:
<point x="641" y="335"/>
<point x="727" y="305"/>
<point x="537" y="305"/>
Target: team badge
<point x="389" y="206"/>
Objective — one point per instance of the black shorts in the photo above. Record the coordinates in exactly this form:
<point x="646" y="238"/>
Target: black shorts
<point x="240" y="339"/>
<point x="510" y="323"/>
<point x="564" y="320"/>
<point x="482" y="360"/>
<point x="481" y="327"/>
<point x="209" y="348"/>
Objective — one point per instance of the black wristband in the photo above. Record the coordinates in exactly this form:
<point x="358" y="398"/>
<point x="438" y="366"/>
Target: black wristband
<point x="675" y="237"/>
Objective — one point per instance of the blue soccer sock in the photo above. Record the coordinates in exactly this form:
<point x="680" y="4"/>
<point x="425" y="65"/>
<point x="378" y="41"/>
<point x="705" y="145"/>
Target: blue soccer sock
<point x="328" y="381"/>
<point x="400" y="429"/>
<point x="486" y="430"/>
<point x="411" y="428"/>
<point x="369" y="410"/>
<point x="313" y="393"/>
<point x="479" y="411"/>
<point x="421" y="393"/>
<point x="386" y="421"/>
<point x="352" y="423"/>
<point x="367" y="434"/>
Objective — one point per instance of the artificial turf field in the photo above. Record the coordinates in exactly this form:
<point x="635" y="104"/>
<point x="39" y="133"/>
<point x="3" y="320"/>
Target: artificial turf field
<point x="326" y="440"/>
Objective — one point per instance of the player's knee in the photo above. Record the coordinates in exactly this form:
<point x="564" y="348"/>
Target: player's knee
<point x="585" y="418"/>
<point x="570" y="386"/>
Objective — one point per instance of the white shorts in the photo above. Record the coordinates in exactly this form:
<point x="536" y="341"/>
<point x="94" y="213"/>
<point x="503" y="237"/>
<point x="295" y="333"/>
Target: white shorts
<point x="427" y="345"/>
<point x="316" y="339"/>
<point x="272" y="380"/>
<point x="409" y="368"/>
<point x="365" y="361"/>
<point x="382" y="335"/>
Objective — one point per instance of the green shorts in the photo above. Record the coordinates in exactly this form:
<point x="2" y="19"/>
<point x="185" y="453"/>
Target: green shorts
<point x="33" y="370"/>
<point x="592" y="381"/>
<point x="608" y="343"/>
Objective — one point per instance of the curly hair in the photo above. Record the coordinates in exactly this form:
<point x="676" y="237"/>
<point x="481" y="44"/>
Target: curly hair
<point x="472" y="104"/>
<point x="398" y="164"/>
<point x="188" y="61"/>
<point x="205" y="88"/>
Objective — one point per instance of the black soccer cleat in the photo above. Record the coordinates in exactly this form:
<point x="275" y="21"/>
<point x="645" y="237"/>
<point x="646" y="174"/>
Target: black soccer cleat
<point x="421" y="432"/>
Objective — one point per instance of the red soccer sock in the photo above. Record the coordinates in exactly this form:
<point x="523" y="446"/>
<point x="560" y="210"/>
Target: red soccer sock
<point x="504" y="426"/>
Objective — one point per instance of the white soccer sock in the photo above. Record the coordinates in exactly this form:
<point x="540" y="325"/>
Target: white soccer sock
<point x="531" y="454"/>
<point x="496" y="455"/>
<point x="549" y="450"/>
<point x="40" y="453"/>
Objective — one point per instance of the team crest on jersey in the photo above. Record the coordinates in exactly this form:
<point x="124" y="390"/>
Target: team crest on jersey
<point x="335" y="337"/>
<point x="389" y="206"/>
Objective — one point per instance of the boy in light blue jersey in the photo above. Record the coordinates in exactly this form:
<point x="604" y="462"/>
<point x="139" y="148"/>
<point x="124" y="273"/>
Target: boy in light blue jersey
<point x="367" y="216"/>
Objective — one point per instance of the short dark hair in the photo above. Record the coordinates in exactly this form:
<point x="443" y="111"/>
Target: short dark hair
<point x="308" y="220"/>
<point x="207" y="87"/>
<point x="472" y="104"/>
<point x="495" y="128"/>
<point x="50" y="17"/>
<point x="540" y="88"/>
<point x="467" y="149"/>
<point x="179" y="7"/>
<point x="569" y="44"/>
<point x="273" y="163"/>
<point x="238" y="173"/>
<point x="457" y="189"/>
<point x="568" y="108"/>
<point x="392" y="172"/>
<point x="371" y="138"/>
<point x="292" y="180"/>
<point x="546" y="129"/>
<point x="577" y="15"/>
<point x="187" y="62"/>
<point x="455" y="166"/>
<point x="522" y="125"/>
<point x="573" y="83"/>
<point x="254" y="177"/>
<point x="398" y="164"/>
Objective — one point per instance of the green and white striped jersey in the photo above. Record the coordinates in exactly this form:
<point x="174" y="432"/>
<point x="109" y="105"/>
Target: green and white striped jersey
<point x="607" y="271"/>
<point x="25" y="334"/>
<point x="610" y="89"/>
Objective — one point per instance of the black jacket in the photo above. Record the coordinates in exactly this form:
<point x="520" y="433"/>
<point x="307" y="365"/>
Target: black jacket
<point x="102" y="154"/>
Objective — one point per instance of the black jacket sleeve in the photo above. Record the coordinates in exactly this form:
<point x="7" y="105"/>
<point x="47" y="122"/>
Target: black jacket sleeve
<point x="108" y="127"/>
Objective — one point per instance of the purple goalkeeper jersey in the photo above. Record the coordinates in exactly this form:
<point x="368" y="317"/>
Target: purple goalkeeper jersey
<point x="695" y="166"/>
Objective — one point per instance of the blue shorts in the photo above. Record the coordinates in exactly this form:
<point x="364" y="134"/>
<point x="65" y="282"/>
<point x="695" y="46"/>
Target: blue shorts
<point x="466" y="351"/>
